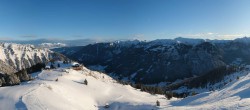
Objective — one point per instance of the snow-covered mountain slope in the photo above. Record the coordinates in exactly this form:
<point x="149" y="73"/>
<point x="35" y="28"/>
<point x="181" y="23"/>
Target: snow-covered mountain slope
<point x="21" y="56"/>
<point x="69" y="92"/>
<point x="234" y="95"/>
<point x="18" y="60"/>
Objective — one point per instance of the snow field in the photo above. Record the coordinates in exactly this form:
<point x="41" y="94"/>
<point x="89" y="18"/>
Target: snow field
<point x="69" y="93"/>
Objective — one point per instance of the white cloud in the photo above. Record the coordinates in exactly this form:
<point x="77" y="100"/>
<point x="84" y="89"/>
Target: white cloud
<point x="211" y="35"/>
<point x="138" y="36"/>
<point x="230" y="36"/>
<point x="199" y="35"/>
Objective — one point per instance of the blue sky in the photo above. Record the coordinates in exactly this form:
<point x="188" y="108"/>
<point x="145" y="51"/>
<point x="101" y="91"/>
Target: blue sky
<point x="124" y="19"/>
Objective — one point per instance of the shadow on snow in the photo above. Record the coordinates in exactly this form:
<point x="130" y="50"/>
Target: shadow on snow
<point x="127" y="106"/>
<point x="20" y="105"/>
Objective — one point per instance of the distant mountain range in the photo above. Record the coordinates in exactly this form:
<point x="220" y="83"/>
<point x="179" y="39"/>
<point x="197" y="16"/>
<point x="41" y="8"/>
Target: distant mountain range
<point x="50" y="43"/>
<point x="163" y="60"/>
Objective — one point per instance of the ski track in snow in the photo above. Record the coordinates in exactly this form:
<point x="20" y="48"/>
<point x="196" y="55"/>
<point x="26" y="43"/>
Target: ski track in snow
<point x="33" y="101"/>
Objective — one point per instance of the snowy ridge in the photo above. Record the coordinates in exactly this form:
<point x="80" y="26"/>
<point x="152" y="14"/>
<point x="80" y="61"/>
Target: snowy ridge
<point x="189" y="40"/>
<point x="233" y="95"/>
<point x="22" y="56"/>
<point x="69" y="93"/>
<point x="51" y="45"/>
<point x="125" y="43"/>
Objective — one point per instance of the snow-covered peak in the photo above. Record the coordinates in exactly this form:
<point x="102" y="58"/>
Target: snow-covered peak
<point x="52" y="45"/>
<point x="22" y="56"/>
<point x="189" y="40"/>
<point x="161" y="42"/>
<point x="127" y="42"/>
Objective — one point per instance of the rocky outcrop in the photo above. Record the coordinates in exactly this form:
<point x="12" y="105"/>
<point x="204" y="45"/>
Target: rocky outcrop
<point x="4" y="68"/>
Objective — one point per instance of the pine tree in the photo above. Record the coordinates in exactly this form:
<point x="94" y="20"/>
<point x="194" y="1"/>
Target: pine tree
<point x="169" y="95"/>
<point x="157" y="103"/>
<point x="193" y="93"/>
<point x="85" y="82"/>
<point x="52" y="66"/>
<point x="184" y="95"/>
